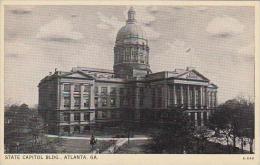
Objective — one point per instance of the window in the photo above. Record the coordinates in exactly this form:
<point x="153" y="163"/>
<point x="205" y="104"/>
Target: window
<point x="121" y="91"/>
<point x="86" y="116"/>
<point x="215" y="99"/>
<point x="104" y="101"/>
<point x="76" y="116"/>
<point x="86" y="88"/>
<point x="66" y="87"/>
<point x="86" y="99"/>
<point x="113" y="91"/>
<point x="159" y="97"/>
<point x="199" y="118"/>
<point x="113" y="114"/>
<point x="128" y="54"/>
<point x="141" y="103"/>
<point x="66" y="117"/>
<point x="86" y="102"/>
<point x="96" y="91"/>
<point x="196" y="97"/>
<point x="66" y="101"/>
<point x="127" y="96"/>
<point x="104" y="90"/>
<point x="178" y="94"/>
<point x="104" y="115"/>
<point x="112" y="101"/>
<point x="142" y="59"/>
<point x="153" y="97"/>
<point x="66" y="129"/>
<point x="171" y="95"/>
<point x="96" y="101"/>
<point x="76" y="88"/>
<point x="77" y="101"/>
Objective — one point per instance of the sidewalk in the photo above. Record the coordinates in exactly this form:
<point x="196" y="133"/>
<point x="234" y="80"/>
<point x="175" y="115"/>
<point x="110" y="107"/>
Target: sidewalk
<point x="112" y="149"/>
<point x="98" y="138"/>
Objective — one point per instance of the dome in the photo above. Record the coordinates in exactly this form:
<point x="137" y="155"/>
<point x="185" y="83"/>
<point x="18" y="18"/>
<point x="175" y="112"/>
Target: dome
<point x="131" y="32"/>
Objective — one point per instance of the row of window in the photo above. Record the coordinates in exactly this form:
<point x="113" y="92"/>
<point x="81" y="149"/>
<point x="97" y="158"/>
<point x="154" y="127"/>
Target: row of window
<point x="134" y="58"/>
<point x="66" y="117"/>
<point x="77" y="101"/>
<point x="67" y="88"/>
<point x="105" y="100"/>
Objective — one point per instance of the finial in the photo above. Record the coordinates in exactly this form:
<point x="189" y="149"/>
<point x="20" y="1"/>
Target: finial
<point x="131" y="15"/>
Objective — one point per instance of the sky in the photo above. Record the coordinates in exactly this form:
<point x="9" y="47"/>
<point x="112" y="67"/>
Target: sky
<point x="218" y="41"/>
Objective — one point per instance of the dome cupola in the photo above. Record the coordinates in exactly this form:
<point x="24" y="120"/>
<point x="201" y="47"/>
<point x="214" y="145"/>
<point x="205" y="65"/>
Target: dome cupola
<point x="131" y="32"/>
<point x="131" y="51"/>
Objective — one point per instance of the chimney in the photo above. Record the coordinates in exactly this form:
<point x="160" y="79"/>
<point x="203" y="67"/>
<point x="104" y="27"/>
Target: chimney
<point x="190" y="68"/>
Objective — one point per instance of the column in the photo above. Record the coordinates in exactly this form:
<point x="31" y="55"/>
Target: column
<point x="188" y="96"/>
<point x="82" y="116"/>
<point x="211" y="100"/>
<point x="61" y="96"/>
<point x="92" y="95"/>
<point x="194" y="95"/>
<point x="81" y="129"/>
<point x="81" y="97"/>
<point x="71" y="129"/>
<point x="216" y="100"/>
<point x="92" y="117"/>
<point x="136" y="95"/>
<point x="208" y="116"/>
<point x="206" y="97"/>
<point x="195" y="119"/>
<point x="169" y="92"/>
<point x="201" y="97"/>
<point x="181" y="94"/>
<point x="71" y="117"/>
<point x="174" y="95"/>
<point x="202" y="119"/>
<point x="117" y="98"/>
<point x="171" y="95"/>
<point x="71" y="96"/>
<point x="165" y="95"/>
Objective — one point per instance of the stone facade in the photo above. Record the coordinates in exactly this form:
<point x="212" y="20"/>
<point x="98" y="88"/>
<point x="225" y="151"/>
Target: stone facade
<point x="73" y="102"/>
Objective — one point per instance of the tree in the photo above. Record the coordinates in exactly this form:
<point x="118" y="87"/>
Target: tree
<point x="175" y="135"/>
<point x="234" y="119"/>
<point x="24" y="130"/>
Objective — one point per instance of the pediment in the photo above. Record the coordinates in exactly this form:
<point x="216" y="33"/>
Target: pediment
<point x="192" y="75"/>
<point x="79" y="75"/>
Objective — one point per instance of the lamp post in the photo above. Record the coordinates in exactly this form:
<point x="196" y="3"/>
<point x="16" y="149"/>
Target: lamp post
<point x="17" y="147"/>
<point x="92" y="142"/>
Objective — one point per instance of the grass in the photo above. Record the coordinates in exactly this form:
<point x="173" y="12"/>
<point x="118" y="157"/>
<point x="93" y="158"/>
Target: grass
<point x="76" y="146"/>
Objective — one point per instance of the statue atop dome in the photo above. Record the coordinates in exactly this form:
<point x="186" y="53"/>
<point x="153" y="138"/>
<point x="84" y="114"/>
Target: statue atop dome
<point x="131" y="15"/>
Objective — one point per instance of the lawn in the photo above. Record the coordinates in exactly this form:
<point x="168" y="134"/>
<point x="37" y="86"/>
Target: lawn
<point x="76" y="146"/>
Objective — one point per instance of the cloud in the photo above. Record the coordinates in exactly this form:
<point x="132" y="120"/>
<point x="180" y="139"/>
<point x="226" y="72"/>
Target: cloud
<point x="60" y="30"/>
<point x="16" y="48"/>
<point x="143" y="17"/>
<point x="177" y="54"/>
<point x="248" y="50"/>
<point x="224" y="26"/>
<point x="19" y="10"/>
<point x="247" y="53"/>
<point x="201" y="9"/>
<point x="152" y="9"/>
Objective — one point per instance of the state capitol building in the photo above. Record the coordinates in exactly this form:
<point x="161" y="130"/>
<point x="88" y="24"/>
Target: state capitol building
<point x="73" y="101"/>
